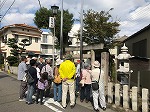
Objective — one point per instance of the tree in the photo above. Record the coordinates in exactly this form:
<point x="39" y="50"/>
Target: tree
<point x="1" y="60"/>
<point x="41" y="20"/>
<point x="12" y="43"/>
<point x="99" y="27"/>
<point x="16" y="50"/>
<point x="24" y="42"/>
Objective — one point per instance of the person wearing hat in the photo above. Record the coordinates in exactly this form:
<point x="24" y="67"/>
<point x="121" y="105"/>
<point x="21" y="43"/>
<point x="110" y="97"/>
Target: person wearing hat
<point x="86" y="77"/>
<point x="57" y="85"/>
<point x="67" y="71"/>
<point x="98" y="75"/>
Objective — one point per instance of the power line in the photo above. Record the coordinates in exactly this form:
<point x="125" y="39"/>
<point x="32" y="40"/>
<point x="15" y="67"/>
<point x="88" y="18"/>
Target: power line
<point x="2" y="4"/>
<point x="141" y="11"/>
<point x="7" y="10"/>
<point x="40" y="3"/>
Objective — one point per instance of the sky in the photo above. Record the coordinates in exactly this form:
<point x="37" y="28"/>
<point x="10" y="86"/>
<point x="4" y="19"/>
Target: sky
<point x="132" y="15"/>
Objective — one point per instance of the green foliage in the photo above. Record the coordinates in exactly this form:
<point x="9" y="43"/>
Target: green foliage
<point x="1" y="59"/>
<point x="99" y="28"/>
<point x="41" y="20"/>
<point x="16" y="50"/>
<point x="12" y="60"/>
<point x="24" y="42"/>
<point x="12" y="43"/>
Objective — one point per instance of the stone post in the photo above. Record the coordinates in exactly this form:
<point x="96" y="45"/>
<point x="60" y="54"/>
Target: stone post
<point x="125" y="97"/>
<point x="110" y="92"/>
<point x="134" y="98"/>
<point x="117" y="94"/>
<point x="105" y="66"/>
<point x="145" y="98"/>
<point x="92" y="57"/>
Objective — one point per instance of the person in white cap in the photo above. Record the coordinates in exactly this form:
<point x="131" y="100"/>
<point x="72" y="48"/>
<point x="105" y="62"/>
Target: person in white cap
<point x="98" y="75"/>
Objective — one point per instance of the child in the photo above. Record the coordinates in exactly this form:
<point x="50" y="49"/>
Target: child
<point x="42" y="84"/>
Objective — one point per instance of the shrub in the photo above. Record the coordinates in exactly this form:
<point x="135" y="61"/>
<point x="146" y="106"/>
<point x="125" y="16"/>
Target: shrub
<point x="12" y="60"/>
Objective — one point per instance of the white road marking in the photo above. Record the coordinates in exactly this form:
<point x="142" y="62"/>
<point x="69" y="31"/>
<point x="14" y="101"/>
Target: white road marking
<point x="49" y="101"/>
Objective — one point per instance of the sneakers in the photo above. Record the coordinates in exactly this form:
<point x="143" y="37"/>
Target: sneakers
<point x="104" y="108"/>
<point x="72" y="106"/>
<point x="96" y="110"/>
<point x="86" y="101"/>
<point x="41" y="103"/>
<point x="64" y="107"/>
<point x="29" y="103"/>
<point x="22" y="99"/>
<point x="81" y="100"/>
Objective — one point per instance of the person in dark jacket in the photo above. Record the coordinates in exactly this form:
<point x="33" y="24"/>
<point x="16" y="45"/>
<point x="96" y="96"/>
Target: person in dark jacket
<point x="41" y="63"/>
<point x="31" y="87"/>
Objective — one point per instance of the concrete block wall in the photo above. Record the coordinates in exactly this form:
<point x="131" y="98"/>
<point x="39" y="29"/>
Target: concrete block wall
<point x="13" y="70"/>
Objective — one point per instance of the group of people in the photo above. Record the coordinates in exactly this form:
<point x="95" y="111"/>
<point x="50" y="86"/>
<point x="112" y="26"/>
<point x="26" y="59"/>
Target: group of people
<point x="86" y="78"/>
<point x="66" y="77"/>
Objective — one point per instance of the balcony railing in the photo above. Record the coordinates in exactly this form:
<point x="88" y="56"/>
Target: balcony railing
<point x="44" y="51"/>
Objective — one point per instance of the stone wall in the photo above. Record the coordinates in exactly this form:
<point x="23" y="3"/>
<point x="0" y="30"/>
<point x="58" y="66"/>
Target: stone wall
<point x="128" y="99"/>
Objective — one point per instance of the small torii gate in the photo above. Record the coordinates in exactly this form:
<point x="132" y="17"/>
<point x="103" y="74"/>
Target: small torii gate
<point x="104" y="57"/>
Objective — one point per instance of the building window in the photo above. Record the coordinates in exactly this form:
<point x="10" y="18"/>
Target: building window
<point x="44" y="38"/>
<point x="44" y="49"/>
<point x="36" y="40"/>
<point x="140" y="48"/>
<point x="30" y="40"/>
<point x="4" y="39"/>
<point x="16" y="37"/>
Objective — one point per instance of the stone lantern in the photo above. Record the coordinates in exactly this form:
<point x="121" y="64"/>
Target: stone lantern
<point x="123" y="73"/>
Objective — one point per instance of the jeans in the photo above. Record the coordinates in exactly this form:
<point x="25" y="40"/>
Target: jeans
<point x="77" y="84"/>
<point x="30" y="93"/>
<point x="57" y="92"/>
<point x="85" y="92"/>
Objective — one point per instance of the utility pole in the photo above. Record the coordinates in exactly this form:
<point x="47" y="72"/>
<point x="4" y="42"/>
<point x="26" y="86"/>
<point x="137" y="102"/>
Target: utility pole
<point x="81" y="30"/>
<point x="61" y="32"/>
<point x="55" y="11"/>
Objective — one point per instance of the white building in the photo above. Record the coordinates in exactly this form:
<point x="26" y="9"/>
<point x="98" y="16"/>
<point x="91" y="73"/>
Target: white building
<point x="20" y="32"/>
<point x="47" y="43"/>
<point x="41" y="41"/>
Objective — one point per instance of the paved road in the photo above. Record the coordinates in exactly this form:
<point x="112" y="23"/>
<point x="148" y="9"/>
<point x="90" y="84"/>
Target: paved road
<point x="9" y="95"/>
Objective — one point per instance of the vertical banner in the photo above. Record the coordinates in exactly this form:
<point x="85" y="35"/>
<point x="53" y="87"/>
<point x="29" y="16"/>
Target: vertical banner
<point x="51" y="22"/>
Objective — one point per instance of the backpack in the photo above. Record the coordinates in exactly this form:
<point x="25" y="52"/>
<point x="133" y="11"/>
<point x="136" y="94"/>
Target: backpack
<point x="57" y="78"/>
<point x="28" y="78"/>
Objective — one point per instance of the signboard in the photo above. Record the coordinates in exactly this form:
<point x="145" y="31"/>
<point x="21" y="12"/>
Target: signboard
<point x="51" y="22"/>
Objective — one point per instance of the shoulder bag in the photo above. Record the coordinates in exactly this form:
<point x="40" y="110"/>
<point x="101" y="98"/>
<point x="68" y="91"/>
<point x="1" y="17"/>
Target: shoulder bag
<point x="95" y="84"/>
<point x="29" y="78"/>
